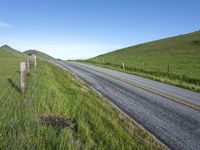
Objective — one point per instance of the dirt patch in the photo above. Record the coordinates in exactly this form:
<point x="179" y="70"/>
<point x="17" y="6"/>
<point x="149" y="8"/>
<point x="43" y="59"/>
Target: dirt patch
<point x="57" y="121"/>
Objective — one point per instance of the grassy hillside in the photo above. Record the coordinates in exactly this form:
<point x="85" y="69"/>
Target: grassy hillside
<point x="40" y="54"/>
<point x="6" y="50"/>
<point x="59" y="112"/>
<point x="9" y="62"/>
<point x="173" y="60"/>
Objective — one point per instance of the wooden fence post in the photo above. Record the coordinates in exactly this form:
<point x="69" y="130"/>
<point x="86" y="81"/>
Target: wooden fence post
<point x="34" y="59"/>
<point x="30" y="61"/>
<point x="23" y="76"/>
<point x="168" y="68"/>
<point x="123" y="66"/>
<point x="143" y="66"/>
<point x="28" y="65"/>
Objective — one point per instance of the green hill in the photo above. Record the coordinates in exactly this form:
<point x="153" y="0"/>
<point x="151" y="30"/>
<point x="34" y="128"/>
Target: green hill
<point x="40" y="54"/>
<point x="9" y="61"/>
<point x="167" y="60"/>
<point x="8" y="51"/>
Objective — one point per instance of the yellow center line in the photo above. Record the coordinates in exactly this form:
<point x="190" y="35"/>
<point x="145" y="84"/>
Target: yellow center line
<point x="178" y="100"/>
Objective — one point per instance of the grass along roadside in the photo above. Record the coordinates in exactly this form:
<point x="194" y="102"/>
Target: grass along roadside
<point x="182" y="81"/>
<point x="173" y="60"/>
<point x="55" y="92"/>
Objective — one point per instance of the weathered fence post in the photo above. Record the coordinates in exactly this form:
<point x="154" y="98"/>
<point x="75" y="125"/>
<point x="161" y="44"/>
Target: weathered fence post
<point x="123" y="66"/>
<point x="30" y="61"/>
<point x="28" y="65"/>
<point x="23" y="76"/>
<point x="168" y="66"/>
<point x="143" y="66"/>
<point x="34" y="59"/>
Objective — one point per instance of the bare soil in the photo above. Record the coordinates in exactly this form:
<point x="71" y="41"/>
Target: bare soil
<point x="57" y="121"/>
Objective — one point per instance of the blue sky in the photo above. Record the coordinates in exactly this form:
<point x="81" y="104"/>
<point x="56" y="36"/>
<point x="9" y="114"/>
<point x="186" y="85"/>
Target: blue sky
<point x="85" y="28"/>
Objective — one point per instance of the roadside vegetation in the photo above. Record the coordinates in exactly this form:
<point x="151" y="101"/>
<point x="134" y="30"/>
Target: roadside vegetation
<point x="59" y="112"/>
<point x="173" y="60"/>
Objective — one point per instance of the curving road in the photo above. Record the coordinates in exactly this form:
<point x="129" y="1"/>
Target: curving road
<point x="170" y="113"/>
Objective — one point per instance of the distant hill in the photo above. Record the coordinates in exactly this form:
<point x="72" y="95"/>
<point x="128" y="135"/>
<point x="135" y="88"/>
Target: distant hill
<point x="6" y="51"/>
<point x="181" y="52"/>
<point x="40" y="54"/>
<point x="9" y="64"/>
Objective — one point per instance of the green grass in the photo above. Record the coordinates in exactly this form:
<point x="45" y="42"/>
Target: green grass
<point x="151" y="60"/>
<point x="9" y="63"/>
<point x="53" y="91"/>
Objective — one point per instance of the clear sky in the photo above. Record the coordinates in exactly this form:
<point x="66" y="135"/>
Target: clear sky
<point x="85" y="28"/>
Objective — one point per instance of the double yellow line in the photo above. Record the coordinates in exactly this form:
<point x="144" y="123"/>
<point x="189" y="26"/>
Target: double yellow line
<point x="178" y="100"/>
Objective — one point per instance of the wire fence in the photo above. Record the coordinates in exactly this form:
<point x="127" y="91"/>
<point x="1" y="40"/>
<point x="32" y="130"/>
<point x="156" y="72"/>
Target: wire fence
<point x="22" y="101"/>
<point x="169" y="71"/>
<point x="10" y="88"/>
<point x="167" y="67"/>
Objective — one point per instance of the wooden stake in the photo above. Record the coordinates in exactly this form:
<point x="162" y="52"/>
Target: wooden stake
<point x="143" y="66"/>
<point x="23" y="76"/>
<point x="34" y="59"/>
<point x="168" y="68"/>
<point x="28" y="65"/>
<point x="123" y="66"/>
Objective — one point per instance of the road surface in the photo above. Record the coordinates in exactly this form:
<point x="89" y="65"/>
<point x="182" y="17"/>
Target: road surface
<point x="170" y="113"/>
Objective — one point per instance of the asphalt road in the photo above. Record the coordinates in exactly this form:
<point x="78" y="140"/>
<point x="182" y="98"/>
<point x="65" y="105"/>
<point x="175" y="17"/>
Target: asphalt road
<point x="175" y="124"/>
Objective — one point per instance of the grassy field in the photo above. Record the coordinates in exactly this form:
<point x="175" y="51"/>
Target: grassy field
<point x="173" y="60"/>
<point x="56" y="95"/>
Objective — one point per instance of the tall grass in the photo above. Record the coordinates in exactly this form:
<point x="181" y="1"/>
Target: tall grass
<point x="53" y="91"/>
